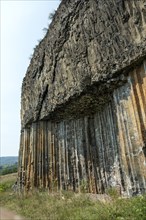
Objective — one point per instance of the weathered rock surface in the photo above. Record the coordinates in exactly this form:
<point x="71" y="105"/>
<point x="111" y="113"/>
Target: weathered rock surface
<point x="88" y="42"/>
<point x="84" y="100"/>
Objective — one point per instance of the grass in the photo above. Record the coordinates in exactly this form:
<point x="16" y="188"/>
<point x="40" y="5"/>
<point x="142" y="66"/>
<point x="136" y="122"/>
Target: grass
<point x="6" y="181"/>
<point x="8" y="178"/>
<point x="70" y="206"/>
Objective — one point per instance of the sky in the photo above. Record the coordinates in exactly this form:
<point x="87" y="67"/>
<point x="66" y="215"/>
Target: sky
<point x="21" y="26"/>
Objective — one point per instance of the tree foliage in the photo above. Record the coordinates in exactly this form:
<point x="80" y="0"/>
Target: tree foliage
<point x="6" y="169"/>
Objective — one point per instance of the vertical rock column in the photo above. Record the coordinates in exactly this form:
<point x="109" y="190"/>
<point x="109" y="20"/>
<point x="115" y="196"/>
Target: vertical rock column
<point x="130" y="102"/>
<point x="94" y="152"/>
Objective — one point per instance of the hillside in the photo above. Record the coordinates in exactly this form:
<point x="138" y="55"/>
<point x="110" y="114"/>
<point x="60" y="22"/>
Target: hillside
<point x="8" y="160"/>
<point x="8" y="165"/>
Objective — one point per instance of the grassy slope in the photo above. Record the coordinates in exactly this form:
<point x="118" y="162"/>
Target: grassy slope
<point x="70" y="206"/>
<point x="8" y="178"/>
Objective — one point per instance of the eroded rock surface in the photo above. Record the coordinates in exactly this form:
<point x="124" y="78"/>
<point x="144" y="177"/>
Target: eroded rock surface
<point x="83" y="100"/>
<point x="88" y="42"/>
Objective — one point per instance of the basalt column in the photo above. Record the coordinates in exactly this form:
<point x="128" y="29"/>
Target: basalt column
<point x="92" y="153"/>
<point x="83" y="102"/>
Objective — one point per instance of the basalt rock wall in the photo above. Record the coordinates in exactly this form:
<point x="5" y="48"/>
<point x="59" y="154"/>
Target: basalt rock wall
<point x="87" y="43"/>
<point x="83" y="105"/>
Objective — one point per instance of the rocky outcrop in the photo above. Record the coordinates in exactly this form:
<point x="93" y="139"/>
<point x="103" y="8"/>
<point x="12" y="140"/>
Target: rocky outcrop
<point x="87" y="42"/>
<point x="83" y="106"/>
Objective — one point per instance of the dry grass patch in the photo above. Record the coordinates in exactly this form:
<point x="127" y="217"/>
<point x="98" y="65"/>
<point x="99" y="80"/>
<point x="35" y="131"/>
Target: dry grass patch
<point x="40" y="205"/>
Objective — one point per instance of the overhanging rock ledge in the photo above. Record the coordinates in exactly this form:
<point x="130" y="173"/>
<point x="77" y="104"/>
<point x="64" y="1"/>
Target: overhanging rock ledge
<point x="83" y="103"/>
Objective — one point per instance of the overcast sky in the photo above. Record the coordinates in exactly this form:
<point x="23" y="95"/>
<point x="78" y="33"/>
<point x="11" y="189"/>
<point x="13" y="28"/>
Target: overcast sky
<point x="22" y="24"/>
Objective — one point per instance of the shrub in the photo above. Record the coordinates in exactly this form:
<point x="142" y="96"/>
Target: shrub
<point x="51" y="15"/>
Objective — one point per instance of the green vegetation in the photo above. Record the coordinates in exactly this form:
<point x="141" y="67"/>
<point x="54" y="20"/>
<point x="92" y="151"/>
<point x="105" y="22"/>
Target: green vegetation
<point x="6" y="169"/>
<point x="7" y="181"/>
<point x="41" y="205"/>
<point x="8" y="165"/>
<point x="51" y="15"/>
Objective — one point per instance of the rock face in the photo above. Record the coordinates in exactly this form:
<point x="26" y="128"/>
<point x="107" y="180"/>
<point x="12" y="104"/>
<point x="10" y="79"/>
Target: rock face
<point x="83" y="106"/>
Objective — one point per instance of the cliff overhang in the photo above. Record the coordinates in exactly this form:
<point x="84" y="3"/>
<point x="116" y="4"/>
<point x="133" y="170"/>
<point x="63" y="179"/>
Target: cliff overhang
<point x="88" y="43"/>
<point x="83" y="104"/>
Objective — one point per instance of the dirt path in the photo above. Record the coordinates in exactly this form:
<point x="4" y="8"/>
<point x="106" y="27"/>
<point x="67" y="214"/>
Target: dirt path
<point x="6" y="214"/>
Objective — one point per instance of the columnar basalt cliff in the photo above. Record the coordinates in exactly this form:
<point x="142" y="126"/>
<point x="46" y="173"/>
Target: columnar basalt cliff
<point x="83" y="105"/>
